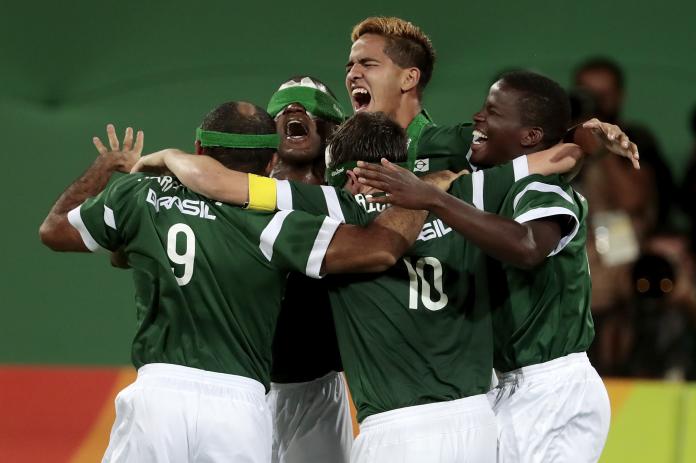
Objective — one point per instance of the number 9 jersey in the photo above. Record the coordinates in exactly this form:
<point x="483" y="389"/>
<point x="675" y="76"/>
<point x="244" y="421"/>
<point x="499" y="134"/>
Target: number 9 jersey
<point x="208" y="276"/>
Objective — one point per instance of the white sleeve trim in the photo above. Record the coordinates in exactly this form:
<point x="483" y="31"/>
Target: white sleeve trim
<point x="109" y="218"/>
<point x="283" y="195"/>
<point x="270" y="233"/>
<point x="75" y="220"/>
<point x="333" y="204"/>
<point x="541" y="212"/>
<point x="544" y="188"/>
<point x="521" y="167"/>
<point x="321" y="245"/>
<point x="477" y="187"/>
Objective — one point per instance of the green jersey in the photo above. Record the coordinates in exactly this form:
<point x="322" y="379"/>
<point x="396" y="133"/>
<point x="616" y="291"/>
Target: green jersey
<point x="208" y="276"/>
<point x="411" y="335"/>
<point x="432" y="147"/>
<point x="544" y="313"/>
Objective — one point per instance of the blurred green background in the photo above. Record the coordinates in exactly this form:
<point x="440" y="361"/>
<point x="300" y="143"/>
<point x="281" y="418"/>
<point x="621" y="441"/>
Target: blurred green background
<point x="69" y="68"/>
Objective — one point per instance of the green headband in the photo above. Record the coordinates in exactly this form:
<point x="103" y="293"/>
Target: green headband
<point x="320" y="104"/>
<point x="338" y="175"/>
<point x="236" y="140"/>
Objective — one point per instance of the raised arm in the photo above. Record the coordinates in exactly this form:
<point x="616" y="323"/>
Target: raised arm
<point x="56" y="232"/>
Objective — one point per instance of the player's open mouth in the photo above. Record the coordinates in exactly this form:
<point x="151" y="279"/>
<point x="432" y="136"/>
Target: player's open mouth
<point x="478" y="137"/>
<point x="361" y="98"/>
<point x="296" y="129"/>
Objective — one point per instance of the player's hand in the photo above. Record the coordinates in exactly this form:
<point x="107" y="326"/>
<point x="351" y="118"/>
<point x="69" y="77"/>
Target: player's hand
<point x="403" y="188"/>
<point x="121" y="157"/>
<point x="443" y="179"/>
<point x="614" y="140"/>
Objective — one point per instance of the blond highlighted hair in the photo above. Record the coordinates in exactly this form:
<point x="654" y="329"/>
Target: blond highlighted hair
<point x="406" y="44"/>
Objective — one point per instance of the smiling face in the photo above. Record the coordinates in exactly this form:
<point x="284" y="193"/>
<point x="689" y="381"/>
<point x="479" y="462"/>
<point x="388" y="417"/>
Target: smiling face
<point x="374" y="82"/>
<point x="498" y="128"/>
<point x="300" y="138"/>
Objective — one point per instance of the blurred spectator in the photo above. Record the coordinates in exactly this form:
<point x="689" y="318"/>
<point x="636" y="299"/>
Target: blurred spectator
<point x="664" y="305"/>
<point x="688" y="189"/>
<point x="604" y="80"/>
<point x="625" y="208"/>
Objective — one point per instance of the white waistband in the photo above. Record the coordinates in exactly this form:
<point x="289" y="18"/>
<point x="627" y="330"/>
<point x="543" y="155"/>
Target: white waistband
<point x="330" y="376"/>
<point x="168" y="372"/>
<point x="434" y="410"/>
<point x="544" y="368"/>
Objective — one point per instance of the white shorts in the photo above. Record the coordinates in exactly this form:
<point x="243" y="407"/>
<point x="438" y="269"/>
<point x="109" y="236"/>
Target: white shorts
<point x="554" y="411"/>
<point x="456" y="431"/>
<point x="311" y="421"/>
<point x="173" y="413"/>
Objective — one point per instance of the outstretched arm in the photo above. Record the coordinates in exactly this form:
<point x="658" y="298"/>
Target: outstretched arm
<point x="56" y="231"/>
<point x="375" y="248"/>
<point x="522" y="245"/>
<point x="202" y="174"/>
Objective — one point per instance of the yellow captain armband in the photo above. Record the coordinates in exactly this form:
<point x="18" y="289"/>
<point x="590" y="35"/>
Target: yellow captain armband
<point x="262" y="193"/>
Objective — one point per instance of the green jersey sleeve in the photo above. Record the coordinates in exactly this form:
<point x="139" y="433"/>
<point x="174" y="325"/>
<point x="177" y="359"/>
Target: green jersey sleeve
<point x="320" y="200"/>
<point x="100" y="219"/>
<point x="486" y="189"/>
<point x="538" y="197"/>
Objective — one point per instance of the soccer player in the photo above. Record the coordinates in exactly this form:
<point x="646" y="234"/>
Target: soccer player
<point x="308" y="397"/>
<point x="390" y="64"/>
<point x="416" y="348"/>
<point x="209" y="279"/>
<point x="551" y="404"/>
<point x="389" y="67"/>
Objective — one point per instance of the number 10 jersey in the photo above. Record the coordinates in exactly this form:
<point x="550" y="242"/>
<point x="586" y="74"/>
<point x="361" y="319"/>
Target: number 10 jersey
<point x="420" y="332"/>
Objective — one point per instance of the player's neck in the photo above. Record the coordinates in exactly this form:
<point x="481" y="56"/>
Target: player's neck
<point x="409" y="108"/>
<point x="305" y="173"/>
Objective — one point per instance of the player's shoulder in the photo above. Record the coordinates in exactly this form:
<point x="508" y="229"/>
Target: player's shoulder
<point x="447" y="134"/>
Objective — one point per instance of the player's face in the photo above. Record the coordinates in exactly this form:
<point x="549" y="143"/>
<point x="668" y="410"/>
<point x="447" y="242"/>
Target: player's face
<point x="300" y="140"/>
<point x="498" y="128"/>
<point x="373" y="80"/>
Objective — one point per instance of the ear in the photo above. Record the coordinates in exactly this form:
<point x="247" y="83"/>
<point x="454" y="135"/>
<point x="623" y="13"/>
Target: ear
<point x="199" y="148"/>
<point x="352" y="185"/>
<point x="271" y="164"/>
<point x="532" y="136"/>
<point x="410" y="79"/>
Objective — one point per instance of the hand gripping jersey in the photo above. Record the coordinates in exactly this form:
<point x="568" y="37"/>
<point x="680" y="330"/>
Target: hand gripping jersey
<point x="208" y="276"/>
<point x="415" y="334"/>
<point x="543" y="313"/>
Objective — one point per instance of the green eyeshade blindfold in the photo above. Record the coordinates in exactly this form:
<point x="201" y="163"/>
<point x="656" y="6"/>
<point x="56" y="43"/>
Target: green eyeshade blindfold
<point x="236" y="140"/>
<point x="315" y="101"/>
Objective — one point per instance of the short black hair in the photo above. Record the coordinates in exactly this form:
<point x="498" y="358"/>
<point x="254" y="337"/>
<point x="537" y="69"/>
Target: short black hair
<point x="601" y="63"/>
<point x="368" y="137"/>
<point x="542" y="103"/>
<point x="243" y="118"/>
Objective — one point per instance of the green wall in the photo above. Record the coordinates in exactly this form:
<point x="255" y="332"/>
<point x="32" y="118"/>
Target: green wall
<point x="66" y="69"/>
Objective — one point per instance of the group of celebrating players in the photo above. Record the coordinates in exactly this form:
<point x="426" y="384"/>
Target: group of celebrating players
<point x="457" y="302"/>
